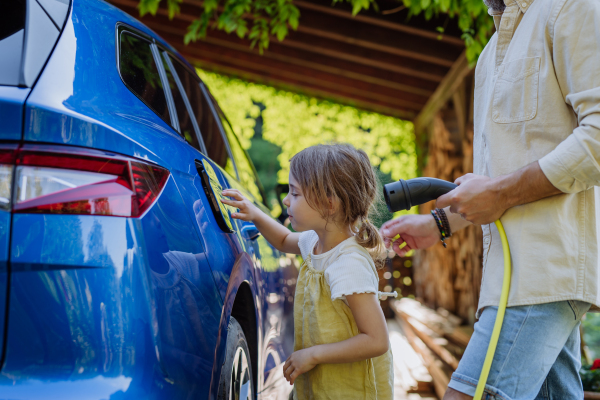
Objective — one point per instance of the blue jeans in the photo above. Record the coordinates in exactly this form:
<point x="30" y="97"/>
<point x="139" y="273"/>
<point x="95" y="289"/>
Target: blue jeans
<point x="538" y="355"/>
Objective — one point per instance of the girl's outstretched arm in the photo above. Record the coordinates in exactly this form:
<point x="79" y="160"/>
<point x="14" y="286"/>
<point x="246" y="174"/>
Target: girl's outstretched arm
<point x="276" y="234"/>
<point x="372" y="341"/>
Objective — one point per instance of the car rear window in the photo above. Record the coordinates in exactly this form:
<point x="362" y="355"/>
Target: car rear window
<point x="12" y="18"/>
<point x="140" y="73"/>
<point x="12" y="31"/>
<point x="28" y="32"/>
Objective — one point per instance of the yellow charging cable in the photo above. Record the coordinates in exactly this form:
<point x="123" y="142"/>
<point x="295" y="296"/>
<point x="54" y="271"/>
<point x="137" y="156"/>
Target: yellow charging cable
<point x="489" y="357"/>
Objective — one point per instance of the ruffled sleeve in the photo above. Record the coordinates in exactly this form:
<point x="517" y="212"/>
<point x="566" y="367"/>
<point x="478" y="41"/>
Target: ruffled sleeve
<point x="351" y="273"/>
<point x="307" y="242"/>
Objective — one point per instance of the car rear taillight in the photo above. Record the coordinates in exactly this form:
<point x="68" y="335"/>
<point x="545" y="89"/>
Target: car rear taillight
<point x="55" y="180"/>
<point x="7" y="161"/>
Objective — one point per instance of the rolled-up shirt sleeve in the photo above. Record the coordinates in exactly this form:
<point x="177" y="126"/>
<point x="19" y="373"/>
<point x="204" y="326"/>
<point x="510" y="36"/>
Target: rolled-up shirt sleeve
<point x="573" y="166"/>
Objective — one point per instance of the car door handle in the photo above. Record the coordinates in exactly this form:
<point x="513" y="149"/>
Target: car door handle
<point x="250" y="232"/>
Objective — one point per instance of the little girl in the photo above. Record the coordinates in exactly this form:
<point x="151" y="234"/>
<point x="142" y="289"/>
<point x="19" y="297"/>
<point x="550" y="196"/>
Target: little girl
<point x="341" y="348"/>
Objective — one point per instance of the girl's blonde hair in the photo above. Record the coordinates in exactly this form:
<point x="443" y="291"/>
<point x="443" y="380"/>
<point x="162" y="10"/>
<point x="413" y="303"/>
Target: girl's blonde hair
<point x="341" y="172"/>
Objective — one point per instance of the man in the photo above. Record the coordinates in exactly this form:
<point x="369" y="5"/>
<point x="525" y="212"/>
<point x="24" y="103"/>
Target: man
<point x="536" y="165"/>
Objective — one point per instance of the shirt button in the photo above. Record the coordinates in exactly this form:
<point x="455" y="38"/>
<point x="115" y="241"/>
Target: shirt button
<point x="524" y="4"/>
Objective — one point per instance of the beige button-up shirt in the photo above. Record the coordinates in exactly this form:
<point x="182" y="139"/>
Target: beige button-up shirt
<point x="537" y="97"/>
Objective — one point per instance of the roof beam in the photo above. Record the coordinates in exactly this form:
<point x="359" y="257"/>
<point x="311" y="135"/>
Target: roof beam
<point x="307" y="90"/>
<point x="378" y="22"/>
<point x="369" y="36"/>
<point x="401" y="42"/>
<point x="368" y="44"/>
<point x="301" y="58"/>
<point x="346" y="54"/>
<point x="283" y="71"/>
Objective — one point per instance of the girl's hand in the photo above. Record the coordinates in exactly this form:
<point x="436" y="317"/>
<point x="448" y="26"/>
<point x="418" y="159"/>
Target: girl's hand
<point x="299" y="362"/>
<point x="247" y="210"/>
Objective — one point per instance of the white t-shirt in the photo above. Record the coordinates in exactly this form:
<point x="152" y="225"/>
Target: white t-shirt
<point x="349" y="268"/>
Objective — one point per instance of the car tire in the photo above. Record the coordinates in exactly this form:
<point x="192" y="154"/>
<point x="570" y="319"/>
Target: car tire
<point x="237" y="381"/>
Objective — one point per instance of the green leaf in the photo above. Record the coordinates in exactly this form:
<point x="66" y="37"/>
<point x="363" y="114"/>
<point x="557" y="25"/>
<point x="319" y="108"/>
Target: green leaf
<point x="293" y="21"/>
<point x="210" y="5"/>
<point x="242" y="29"/>
<point x="148" y="6"/>
<point x="173" y="7"/>
<point x="358" y="5"/>
<point x="192" y="33"/>
<point x="280" y="31"/>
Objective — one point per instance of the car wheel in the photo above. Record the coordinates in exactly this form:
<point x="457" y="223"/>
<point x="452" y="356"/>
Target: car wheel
<point x="236" y="376"/>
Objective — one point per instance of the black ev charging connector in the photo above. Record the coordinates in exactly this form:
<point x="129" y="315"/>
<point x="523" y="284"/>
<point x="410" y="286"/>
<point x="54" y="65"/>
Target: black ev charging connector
<point x="403" y="195"/>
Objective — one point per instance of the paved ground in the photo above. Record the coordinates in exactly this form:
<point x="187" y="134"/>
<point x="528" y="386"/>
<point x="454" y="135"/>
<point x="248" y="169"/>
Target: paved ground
<point x="397" y="342"/>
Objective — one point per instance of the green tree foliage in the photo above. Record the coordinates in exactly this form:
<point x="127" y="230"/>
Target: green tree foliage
<point x="259" y="20"/>
<point x="591" y="333"/>
<point x="473" y="20"/>
<point x="291" y="122"/>
<point x="256" y="19"/>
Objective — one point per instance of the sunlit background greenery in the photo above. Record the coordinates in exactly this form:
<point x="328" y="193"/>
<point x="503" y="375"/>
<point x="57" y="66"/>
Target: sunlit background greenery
<point x="273" y="125"/>
<point x="591" y="335"/>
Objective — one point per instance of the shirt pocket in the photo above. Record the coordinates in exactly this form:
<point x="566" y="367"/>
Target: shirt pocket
<point x="516" y="91"/>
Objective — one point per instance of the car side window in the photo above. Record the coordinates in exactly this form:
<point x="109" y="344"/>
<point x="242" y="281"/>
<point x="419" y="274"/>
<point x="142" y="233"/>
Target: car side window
<point x="180" y="80"/>
<point x="140" y="73"/>
<point x="216" y="148"/>
<point x="244" y="167"/>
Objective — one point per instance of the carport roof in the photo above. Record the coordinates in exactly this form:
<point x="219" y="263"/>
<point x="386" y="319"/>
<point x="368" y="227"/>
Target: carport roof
<point x="385" y="63"/>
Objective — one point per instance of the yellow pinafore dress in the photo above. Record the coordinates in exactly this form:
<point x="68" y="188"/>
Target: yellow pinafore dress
<point x="320" y="320"/>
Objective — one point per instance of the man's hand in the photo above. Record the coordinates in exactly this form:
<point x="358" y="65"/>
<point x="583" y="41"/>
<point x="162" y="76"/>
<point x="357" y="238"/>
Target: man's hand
<point x="299" y="362"/>
<point x="417" y="231"/>
<point x="482" y="200"/>
<point x="477" y="199"/>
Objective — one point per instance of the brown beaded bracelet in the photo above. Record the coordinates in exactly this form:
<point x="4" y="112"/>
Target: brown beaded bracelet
<point x="440" y="226"/>
<point x="444" y="219"/>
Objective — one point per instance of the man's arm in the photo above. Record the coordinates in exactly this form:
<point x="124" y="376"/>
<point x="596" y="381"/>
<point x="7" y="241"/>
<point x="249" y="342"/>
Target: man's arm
<point x="573" y="165"/>
<point x="481" y="200"/>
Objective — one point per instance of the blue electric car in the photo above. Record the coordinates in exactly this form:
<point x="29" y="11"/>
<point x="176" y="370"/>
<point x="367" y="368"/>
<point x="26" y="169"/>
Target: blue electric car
<point x="122" y="275"/>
